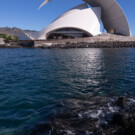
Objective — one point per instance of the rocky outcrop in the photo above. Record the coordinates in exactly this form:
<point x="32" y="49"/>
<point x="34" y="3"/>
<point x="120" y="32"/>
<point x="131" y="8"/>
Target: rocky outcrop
<point x="99" y="116"/>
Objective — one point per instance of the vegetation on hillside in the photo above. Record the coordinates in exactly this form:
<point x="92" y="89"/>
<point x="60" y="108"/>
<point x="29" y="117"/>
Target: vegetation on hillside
<point x="8" y="38"/>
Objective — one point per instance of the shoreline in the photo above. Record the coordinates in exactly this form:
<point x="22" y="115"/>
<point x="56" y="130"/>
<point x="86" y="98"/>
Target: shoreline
<point x="104" y="44"/>
<point x="107" y="41"/>
<point x="110" y="116"/>
<point x="67" y="45"/>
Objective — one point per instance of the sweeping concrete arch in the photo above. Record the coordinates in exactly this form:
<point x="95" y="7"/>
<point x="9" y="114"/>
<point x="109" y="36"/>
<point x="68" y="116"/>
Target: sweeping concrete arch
<point x="69" y="32"/>
<point x="113" y="17"/>
<point x="88" y="19"/>
<point x="81" y="17"/>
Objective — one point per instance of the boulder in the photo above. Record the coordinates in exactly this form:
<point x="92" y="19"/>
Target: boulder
<point x="121" y="101"/>
<point x="117" y="119"/>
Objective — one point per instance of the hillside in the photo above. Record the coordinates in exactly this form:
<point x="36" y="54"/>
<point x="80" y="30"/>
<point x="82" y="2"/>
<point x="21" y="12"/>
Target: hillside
<point x="21" y="34"/>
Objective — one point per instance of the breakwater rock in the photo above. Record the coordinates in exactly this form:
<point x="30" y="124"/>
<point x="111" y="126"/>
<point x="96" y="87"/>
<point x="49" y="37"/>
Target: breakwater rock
<point x="103" y="41"/>
<point x="100" y="44"/>
<point x="98" y="116"/>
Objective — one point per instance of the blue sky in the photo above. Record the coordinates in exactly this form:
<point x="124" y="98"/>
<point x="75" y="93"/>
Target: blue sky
<point x="24" y="13"/>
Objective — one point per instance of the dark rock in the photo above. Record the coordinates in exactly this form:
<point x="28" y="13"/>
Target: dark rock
<point x="117" y="119"/>
<point x="129" y="121"/>
<point x="121" y="122"/>
<point x="99" y="131"/>
<point x="121" y="101"/>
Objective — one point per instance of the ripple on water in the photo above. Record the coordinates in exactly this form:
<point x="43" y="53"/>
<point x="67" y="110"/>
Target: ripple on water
<point x="36" y="84"/>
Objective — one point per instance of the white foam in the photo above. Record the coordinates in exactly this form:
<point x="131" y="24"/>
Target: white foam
<point x="70" y="132"/>
<point x="80" y="116"/>
<point x="132" y="100"/>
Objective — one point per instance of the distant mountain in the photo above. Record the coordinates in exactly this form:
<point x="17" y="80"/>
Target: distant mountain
<point x="21" y="34"/>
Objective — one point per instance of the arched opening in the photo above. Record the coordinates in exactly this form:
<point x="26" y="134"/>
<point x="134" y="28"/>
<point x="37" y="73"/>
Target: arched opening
<point x="67" y="33"/>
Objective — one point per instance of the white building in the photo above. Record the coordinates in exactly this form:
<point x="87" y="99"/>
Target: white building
<point x="82" y="21"/>
<point x="77" y="22"/>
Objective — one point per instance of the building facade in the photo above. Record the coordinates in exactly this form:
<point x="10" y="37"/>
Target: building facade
<point x="83" y="21"/>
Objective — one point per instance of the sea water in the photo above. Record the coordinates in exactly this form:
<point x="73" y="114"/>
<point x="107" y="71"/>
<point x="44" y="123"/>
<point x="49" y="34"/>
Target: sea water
<point x="35" y="84"/>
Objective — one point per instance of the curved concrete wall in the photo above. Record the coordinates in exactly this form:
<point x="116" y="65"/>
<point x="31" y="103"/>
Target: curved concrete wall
<point x="88" y="19"/>
<point x="81" y="17"/>
<point x="112" y="15"/>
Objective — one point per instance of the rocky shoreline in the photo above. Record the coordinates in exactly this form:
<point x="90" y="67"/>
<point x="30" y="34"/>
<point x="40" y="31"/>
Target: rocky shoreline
<point x="107" y="41"/>
<point x="104" y="44"/>
<point x="110" y="116"/>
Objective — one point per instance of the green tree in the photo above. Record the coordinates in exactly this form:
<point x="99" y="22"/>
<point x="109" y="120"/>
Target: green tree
<point x="9" y="38"/>
<point x="3" y="36"/>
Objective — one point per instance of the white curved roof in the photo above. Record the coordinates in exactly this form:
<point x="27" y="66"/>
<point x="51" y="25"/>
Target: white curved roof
<point x="112" y="15"/>
<point x="81" y="17"/>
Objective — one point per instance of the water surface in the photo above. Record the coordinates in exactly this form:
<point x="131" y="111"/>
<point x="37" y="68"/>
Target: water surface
<point x="37" y="83"/>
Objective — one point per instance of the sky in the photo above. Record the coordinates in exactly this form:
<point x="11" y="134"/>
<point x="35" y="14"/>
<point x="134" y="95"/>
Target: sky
<point x="24" y="14"/>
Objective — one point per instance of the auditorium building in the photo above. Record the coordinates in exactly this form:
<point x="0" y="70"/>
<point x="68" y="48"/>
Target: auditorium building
<point x="85" y="21"/>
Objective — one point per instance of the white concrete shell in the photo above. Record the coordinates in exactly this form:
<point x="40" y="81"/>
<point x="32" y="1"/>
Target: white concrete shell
<point x="112" y="15"/>
<point x="81" y="17"/>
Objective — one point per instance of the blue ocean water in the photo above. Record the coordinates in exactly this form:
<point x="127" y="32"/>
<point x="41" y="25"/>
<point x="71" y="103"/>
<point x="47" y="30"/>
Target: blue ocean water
<point x="36" y="83"/>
